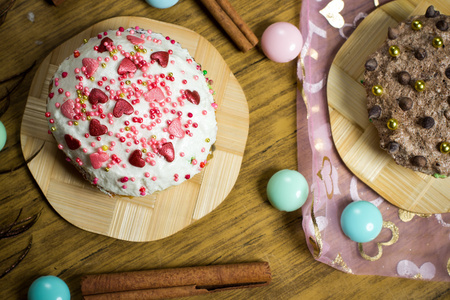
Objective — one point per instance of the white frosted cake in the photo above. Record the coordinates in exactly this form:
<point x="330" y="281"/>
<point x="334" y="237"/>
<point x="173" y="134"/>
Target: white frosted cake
<point x="133" y="112"/>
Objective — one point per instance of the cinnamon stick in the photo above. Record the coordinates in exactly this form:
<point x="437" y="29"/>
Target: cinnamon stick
<point x="232" y="23"/>
<point x="177" y="282"/>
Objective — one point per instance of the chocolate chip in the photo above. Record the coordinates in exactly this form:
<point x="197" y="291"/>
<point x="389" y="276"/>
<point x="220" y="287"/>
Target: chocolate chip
<point x="375" y="112"/>
<point x="420" y="54"/>
<point x="427" y="122"/>
<point x="447" y="114"/>
<point x="371" y="64"/>
<point x="404" y="78"/>
<point x="405" y="103"/>
<point x="392" y="33"/>
<point x="393" y="147"/>
<point x="447" y="72"/>
<point x="442" y="25"/>
<point x="419" y="161"/>
<point x="431" y="12"/>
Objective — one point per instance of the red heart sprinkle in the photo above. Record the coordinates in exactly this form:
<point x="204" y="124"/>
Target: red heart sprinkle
<point x="91" y="66"/>
<point x="97" y="159"/>
<point x="96" y="96"/>
<point x="122" y="107"/>
<point x="126" y="66"/>
<point x="64" y="74"/>
<point x="176" y="129"/>
<point x="68" y="109"/>
<point x="192" y="96"/>
<point x="162" y="57"/>
<point x="102" y="47"/>
<point x="135" y="40"/>
<point x="72" y="142"/>
<point x="97" y="129"/>
<point x="167" y="151"/>
<point x="136" y="159"/>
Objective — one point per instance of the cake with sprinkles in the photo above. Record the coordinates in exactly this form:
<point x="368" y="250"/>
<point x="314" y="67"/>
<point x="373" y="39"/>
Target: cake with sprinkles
<point x="407" y="82"/>
<point x="133" y="111"/>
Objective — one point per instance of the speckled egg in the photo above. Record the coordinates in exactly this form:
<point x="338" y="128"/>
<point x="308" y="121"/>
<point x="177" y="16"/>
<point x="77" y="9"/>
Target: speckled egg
<point x="48" y="288"/>
<point x="361" y="221"/>
<point x="162" y="3"/>
<point x="287" y="190"/>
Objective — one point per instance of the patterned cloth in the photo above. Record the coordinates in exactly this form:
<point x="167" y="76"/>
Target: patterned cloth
<point x="410" y="245"/>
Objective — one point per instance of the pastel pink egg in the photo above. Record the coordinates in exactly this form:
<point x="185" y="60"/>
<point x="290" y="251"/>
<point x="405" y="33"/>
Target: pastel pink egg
<point x="281" y="42"/>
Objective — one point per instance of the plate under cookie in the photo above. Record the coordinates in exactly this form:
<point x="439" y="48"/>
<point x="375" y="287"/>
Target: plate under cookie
<point x="160" y="214"/>
<point x="356" y="139"/>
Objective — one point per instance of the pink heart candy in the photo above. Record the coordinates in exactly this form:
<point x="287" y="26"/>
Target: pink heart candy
<point x="155" y="94"/>
<point x="91" y="66"/>
<point x="135" y="40"/>
<point x="126" y="66"/>
<point x="192" y="96"/>
<point x="97" y="159"/>
<point x="68" y="109"/>
<point x="122" y="107"/>
<point x="176" y="129"/>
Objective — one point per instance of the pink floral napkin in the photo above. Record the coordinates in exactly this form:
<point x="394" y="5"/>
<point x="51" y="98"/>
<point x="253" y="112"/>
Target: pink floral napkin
<point x="410" y="245"/>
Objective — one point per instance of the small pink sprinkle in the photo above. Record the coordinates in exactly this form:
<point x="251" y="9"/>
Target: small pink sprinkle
<point x="60" y="146"/>
<point x="182" y="154"/>
<point x="154" y="178"/>
<point x="124" y="186"/>
<point x="67" y="94"/>
<point x="121" y="29"/>
<point x="147" y="174"/>
<point x="64" y="74"/>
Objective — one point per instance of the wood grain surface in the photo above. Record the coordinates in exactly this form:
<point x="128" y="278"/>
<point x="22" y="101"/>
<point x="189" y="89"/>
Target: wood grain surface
<point x="154" y="216"/>
<point x="243" y="228"/>
<point x="356" y="139"/>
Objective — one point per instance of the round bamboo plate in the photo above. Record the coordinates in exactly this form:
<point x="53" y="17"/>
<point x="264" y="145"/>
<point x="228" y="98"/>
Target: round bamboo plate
<point x="356" y="138"/>
<point x="154" y="216"/>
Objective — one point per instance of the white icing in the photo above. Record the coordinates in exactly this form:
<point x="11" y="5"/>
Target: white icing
<point x="183" y="67"/>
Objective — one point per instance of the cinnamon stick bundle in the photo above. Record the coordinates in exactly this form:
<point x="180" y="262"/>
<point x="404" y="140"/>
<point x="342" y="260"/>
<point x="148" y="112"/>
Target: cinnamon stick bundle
<point x="232" y="23"/>
<point x="177" y="282"/>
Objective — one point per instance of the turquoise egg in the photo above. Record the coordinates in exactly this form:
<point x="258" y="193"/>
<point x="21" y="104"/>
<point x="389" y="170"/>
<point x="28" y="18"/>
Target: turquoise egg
<point x="2" y="135"/>
<point x="48" y="288"/>
<point x="162" y="3"/>
<point x="287" y="190"/>
<point x="361" y="221"/>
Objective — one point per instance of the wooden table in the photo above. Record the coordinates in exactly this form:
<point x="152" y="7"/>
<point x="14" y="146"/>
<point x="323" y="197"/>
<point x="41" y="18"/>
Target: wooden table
<point x="244" y="228"/>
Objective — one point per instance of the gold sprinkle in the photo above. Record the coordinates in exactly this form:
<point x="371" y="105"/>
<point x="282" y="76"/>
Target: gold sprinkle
<point x="85" y="41"/>
<point x="83" y="110"/>
<point x="88" y="118"/>
<point x="144" y="83"/>
<point x="107" y="169"/>
<point x="170" y="74"/>
<point x="136" y="47"/>
<point x="111" y="53"/>
<point x="132" y="53"/>
<point x="153" y="136"/>
<point x="75" y="123"/>
<point x="144" y="50"/>
<point x="122" y="95"/>
<point x="128" y="82"/>
<point x="127" y="128"/>
<point x="92" y="78"/>
<point x="103" y="65"/>
<point x="144" y="150"/>
<point x="81" y="101"/>
<point x="207" y="140"/>
<point x="85" y="97"/>
<point x="105" y="147"/>
<point x="53" y="128"/>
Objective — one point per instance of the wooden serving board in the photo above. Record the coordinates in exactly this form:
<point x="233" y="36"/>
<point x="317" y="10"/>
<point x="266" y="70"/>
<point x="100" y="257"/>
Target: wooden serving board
<point x="356" y="139"/>
<point x="154" y="216"/>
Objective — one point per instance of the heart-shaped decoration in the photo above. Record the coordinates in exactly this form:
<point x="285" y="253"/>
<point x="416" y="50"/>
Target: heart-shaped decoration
<point x="97" y="129"/>
<point x="122" y="107"/>
<point x="91" y="66"/>
<point x="176" y="129"/>
<point x="126" y="66"/>
<point x="332" y="13"/>
<point x="136" y="159"/>
<point x="167" y="151"/>
<point x="72" y="142"/>
<point x="135" y="40"/>
<point x="97" y="95"/>
<point x="408" y="269"/>
<point x="68" y="109"/>
<point x="155" y="94"/>
<point x="394" y="230"/>
<point x="97" y="159"/>
<point x="162" y="57"/>
<point x="192" y="96"/>
<point x="105" y="42"/>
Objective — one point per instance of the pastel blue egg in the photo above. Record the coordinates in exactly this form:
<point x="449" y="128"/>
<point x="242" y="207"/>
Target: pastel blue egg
<point x="48" y="288"/>
<point x="287" y="190"/>
<point x="162" y="3"/>
<point x="2" y="135"/>
<point x="361" y="221"/>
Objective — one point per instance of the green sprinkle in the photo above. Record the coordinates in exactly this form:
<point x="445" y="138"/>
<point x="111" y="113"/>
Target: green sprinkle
<point x="436" y="175"/>
<point x="205" y="72"/>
